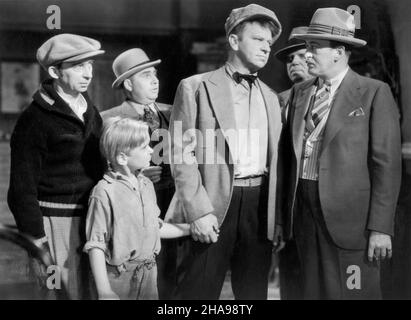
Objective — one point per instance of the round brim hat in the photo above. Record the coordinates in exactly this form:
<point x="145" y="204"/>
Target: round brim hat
<point x="292" y="44"/>
<point x="332" y="24"/>
<point x="130" y="62"/>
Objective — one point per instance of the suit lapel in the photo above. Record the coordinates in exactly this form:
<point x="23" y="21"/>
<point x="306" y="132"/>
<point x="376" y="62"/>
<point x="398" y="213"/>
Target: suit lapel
<point x="347" y="99"/>
<point x="221" y="100"/>
<point x="273" y="120"/>
<point x="128" y="110"/>
<point x="303" y="100"/>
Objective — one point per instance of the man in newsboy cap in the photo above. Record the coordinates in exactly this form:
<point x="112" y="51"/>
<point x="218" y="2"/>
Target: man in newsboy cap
<point x="136" y="76"/>
<point x="344" y="152"/>
<point x="55" y="158"/>
<point x="230" y="204"/>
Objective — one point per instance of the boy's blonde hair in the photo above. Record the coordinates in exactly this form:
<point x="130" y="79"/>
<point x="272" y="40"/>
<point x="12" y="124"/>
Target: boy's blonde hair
<point x="122" y="135"/>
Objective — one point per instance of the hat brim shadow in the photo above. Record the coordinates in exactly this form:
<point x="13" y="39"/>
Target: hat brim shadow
<point x="129" y="73"/>
<point x="352" y="41"/>
<point x="84" y="56"/>
<point x="284" y="52"/>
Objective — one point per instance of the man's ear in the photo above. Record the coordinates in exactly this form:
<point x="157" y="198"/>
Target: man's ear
<point x="53" y="72"/>
<point x="233" y="41"/>
<point x="128" y="86"/>
<point x="122" y="159"/>
<point x="339" y="53"/>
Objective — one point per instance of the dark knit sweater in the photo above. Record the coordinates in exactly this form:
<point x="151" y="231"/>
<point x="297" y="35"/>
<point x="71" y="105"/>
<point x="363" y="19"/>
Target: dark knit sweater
<point x="55" y="158"/>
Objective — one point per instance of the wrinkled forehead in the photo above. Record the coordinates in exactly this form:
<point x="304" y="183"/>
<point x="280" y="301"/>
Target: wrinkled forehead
<point x="259" y="27"/>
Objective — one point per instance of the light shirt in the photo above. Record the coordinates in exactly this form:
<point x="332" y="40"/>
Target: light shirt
<point x="250" y="151"/>
<point x="77" y="104"/>
<point x="310" y="166"/>
<point x="123" y="219"/>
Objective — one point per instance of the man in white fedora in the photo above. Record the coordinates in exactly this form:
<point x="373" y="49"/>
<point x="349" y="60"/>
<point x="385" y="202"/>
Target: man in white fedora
<point x="344" y="149"/>
<point x="55" y="158"/>
<point x="136" y="76"/>
<point x="229" y="200"/>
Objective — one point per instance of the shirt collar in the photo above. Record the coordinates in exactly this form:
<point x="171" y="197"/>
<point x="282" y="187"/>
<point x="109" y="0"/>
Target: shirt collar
<point x="78" y="101"/>
<point x="111" y="176"/>
<point x="336" y="81"/>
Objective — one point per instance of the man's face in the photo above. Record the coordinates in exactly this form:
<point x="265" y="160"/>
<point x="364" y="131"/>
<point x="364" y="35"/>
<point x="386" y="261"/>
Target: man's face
<point x="297" y="68"/>
<point x="320" y="57"/>
<point x="254" y="46"/>
<point x="75" y="77"/>
<point x="145" y="86"/>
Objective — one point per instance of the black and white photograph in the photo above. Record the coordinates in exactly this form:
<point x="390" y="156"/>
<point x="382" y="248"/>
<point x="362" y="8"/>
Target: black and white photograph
<point x="200" y="151"/>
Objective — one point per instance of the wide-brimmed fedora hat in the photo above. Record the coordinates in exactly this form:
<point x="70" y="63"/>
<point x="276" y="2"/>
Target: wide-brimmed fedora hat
<point x="67" y="47"/>
<point x="252" y="11"/>
<point x="292" y="44"/>
<point x="129" y="62"/>
<point x="332" y="24"/>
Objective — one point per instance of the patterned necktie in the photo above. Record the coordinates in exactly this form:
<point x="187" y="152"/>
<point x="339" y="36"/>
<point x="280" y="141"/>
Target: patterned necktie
<point x="151" y="118"/>
<point x="321" y="103"/>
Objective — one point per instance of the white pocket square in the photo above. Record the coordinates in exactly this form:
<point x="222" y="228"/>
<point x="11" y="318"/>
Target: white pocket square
<point x="357" y="112"/>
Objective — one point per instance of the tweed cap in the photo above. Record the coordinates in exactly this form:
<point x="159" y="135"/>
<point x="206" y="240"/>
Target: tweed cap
<point x="67" y="47"/>
<point x="251" y="11"/>
<point x="292" y="44"/>
<point x="332" y="24"/>
<point x="130" y="62"/>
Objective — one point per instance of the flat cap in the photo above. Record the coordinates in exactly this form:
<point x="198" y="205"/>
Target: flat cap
<point x="252" y="11"/>
<point x="67" y="47"/>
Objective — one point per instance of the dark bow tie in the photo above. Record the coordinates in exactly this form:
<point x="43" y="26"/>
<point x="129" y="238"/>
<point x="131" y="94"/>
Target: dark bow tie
<point x="247" y="77"/>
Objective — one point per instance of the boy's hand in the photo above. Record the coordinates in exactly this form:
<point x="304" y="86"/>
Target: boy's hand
<point x="205" y="229"/>
<point x="153" y="173"/>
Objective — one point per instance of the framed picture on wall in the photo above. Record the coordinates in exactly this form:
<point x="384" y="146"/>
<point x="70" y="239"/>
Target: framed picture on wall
<point x="19" y="81"/>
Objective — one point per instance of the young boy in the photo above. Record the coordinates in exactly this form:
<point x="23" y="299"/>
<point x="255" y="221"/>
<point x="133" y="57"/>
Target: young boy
<point x="123" y="228"/>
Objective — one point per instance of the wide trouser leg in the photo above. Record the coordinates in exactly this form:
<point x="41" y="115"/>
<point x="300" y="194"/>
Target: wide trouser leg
<point x="251" y="259"/>
<point x="290" y="272"/>
<point x="327" y="270"/>
<point x="65" y="238"/>
<point x="242" y="245"/>
<point x="202" y="271"/>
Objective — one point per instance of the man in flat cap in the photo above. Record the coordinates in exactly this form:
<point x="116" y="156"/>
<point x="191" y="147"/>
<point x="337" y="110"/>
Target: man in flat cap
<point x="136" y="76"/>
<point x="55" y="158"/>
<point x="225" y="165"/>
<point x="344" y="149"/>
<point x="293" y="55"/>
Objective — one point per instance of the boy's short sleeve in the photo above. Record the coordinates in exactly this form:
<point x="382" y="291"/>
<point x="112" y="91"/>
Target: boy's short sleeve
<point x="98" y="224"/>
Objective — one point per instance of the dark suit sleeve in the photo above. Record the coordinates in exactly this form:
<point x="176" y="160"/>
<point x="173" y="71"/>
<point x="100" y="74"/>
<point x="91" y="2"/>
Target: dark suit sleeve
<point x="385" y="161"/>
<point x="28" y="149"/>
<point x="189" y="186"/>
<point x="284" y="160"/>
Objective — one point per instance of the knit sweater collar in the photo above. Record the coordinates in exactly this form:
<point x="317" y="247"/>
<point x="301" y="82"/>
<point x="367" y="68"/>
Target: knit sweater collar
<point x="48" y="99"/>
